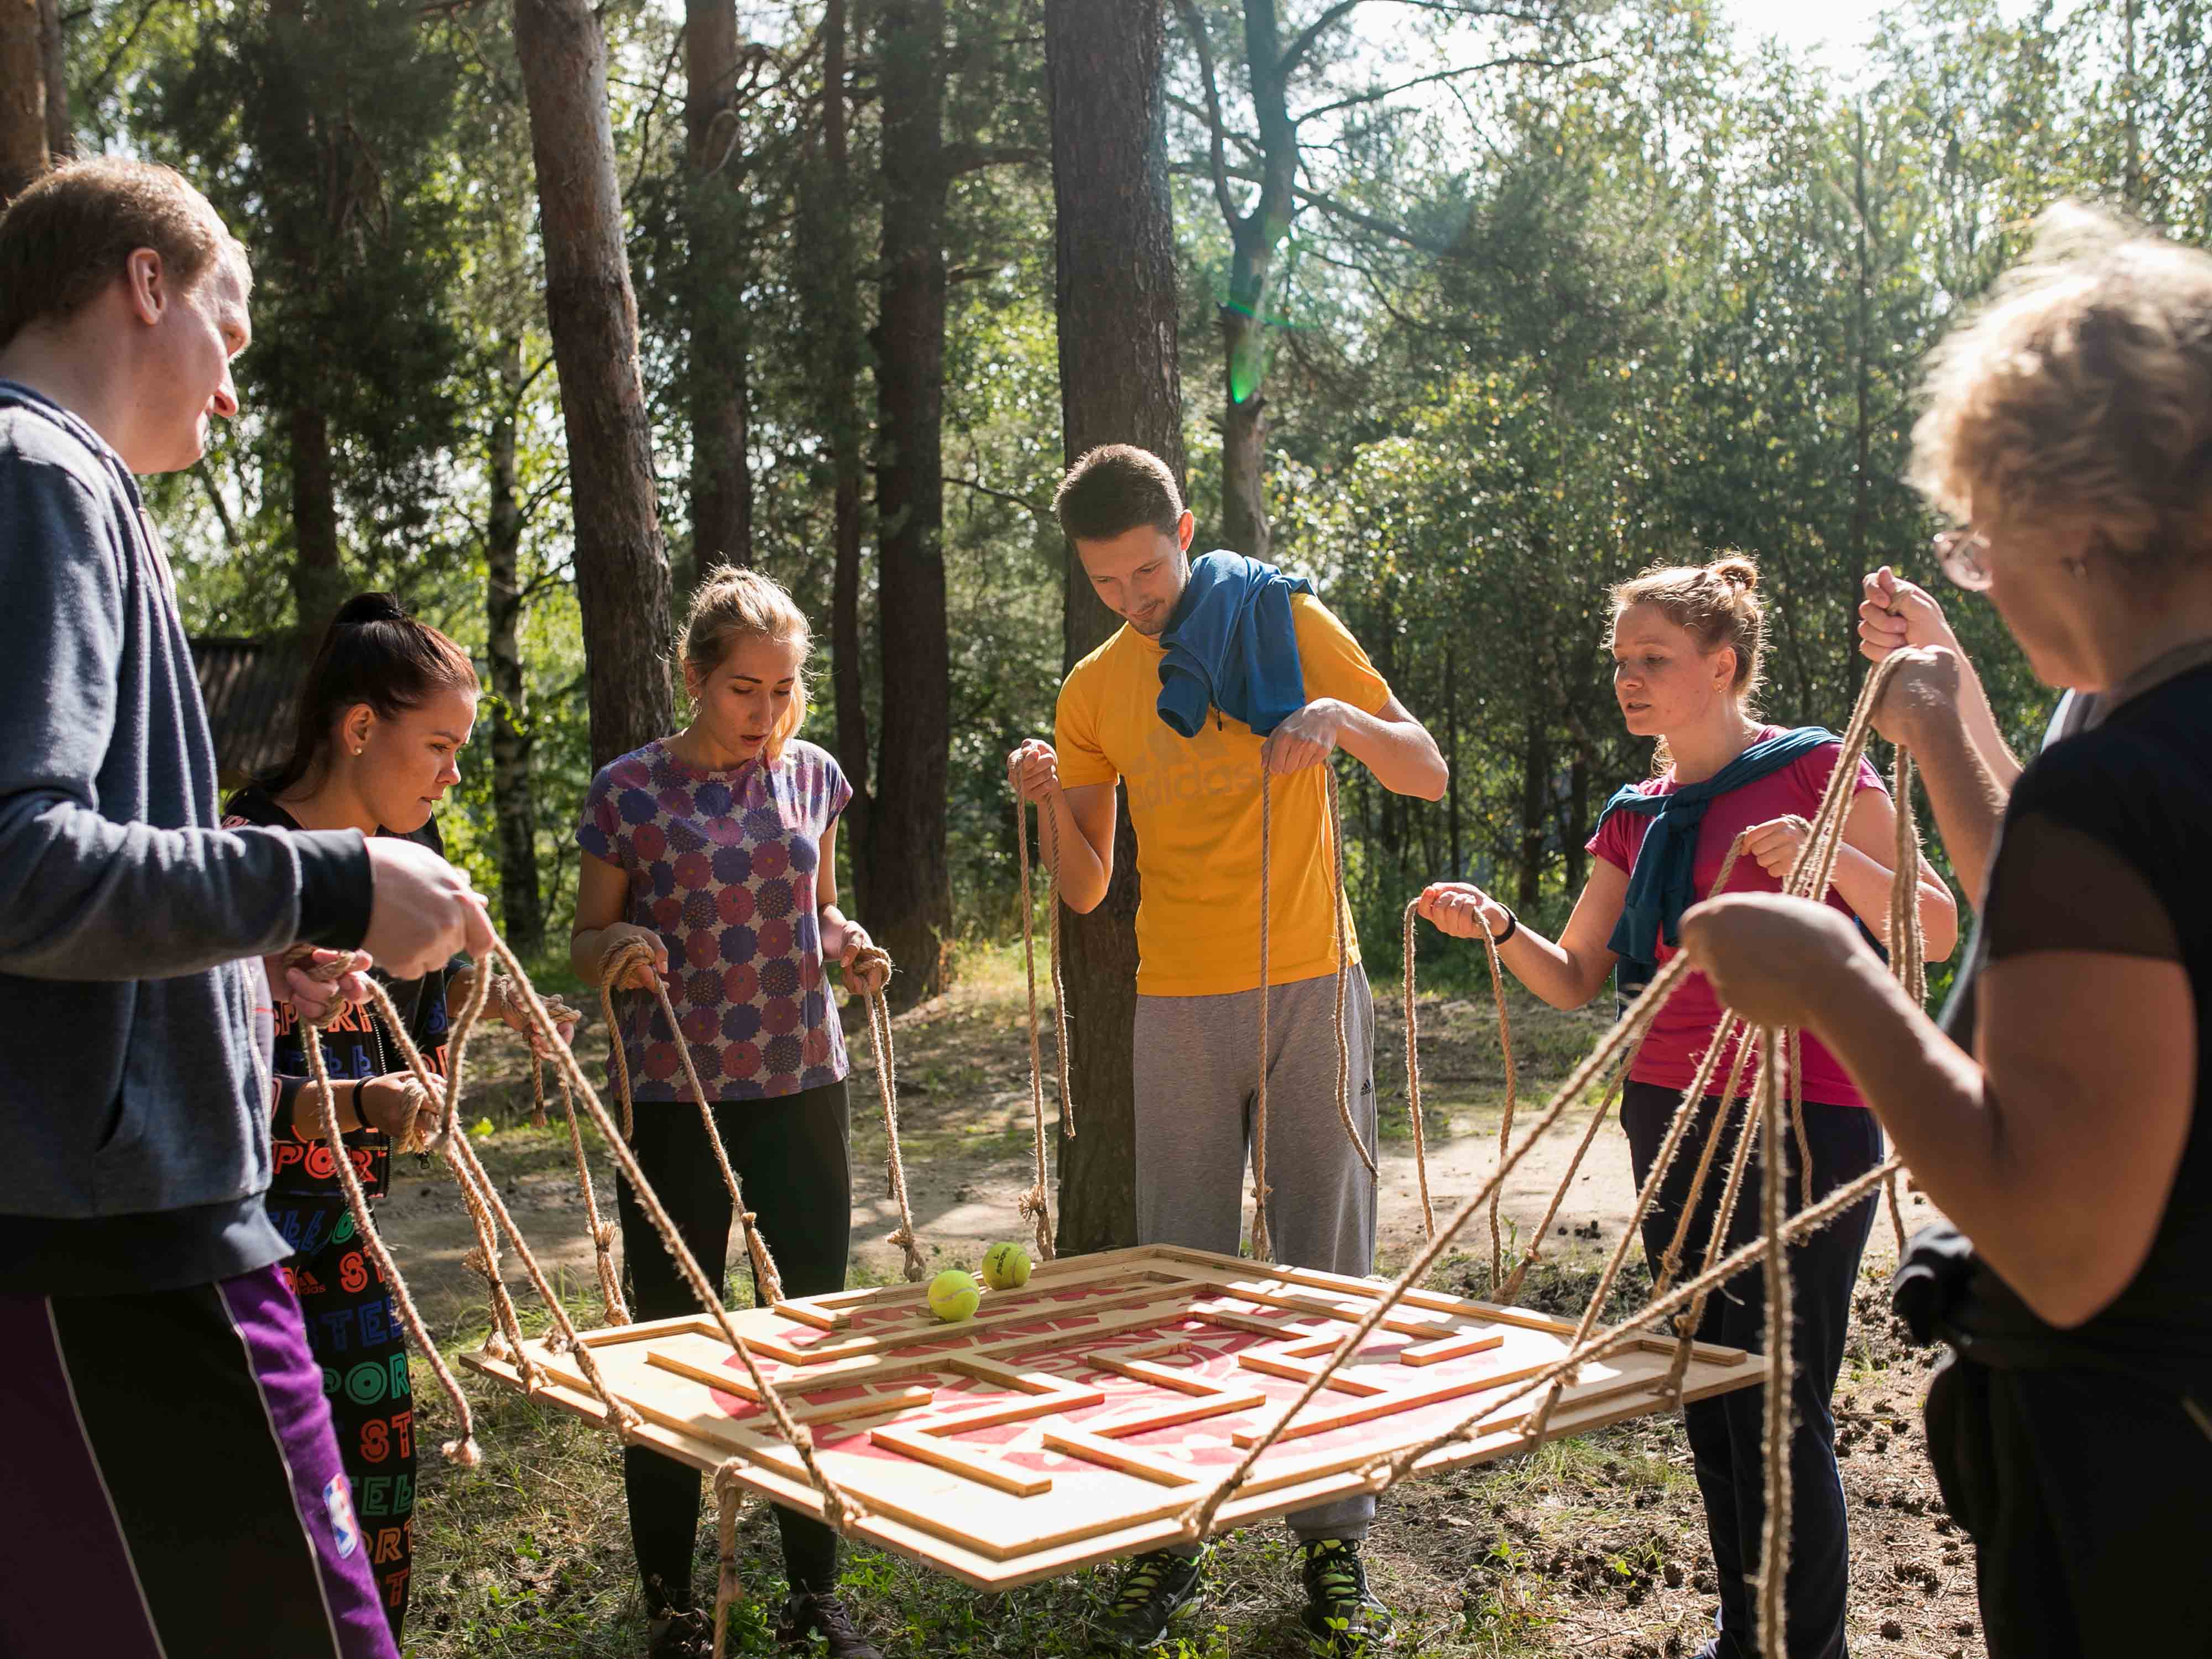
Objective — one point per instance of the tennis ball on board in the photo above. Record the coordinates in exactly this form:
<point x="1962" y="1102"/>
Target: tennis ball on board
<point x="953" y="1295"/>
<point x="1006" y="1266"/>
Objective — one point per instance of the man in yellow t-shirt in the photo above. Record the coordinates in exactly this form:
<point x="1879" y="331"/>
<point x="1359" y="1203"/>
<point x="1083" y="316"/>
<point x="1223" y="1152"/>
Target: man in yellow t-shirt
<point x="1195" y="804"/>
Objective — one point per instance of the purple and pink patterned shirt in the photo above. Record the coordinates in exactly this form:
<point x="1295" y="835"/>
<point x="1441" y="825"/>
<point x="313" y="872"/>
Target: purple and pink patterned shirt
<point x="722" y="865"/>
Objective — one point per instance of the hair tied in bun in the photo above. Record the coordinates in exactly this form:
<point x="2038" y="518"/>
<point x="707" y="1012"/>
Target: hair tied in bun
<point x="1736" y="571"/>
<point x="369" y="608"/>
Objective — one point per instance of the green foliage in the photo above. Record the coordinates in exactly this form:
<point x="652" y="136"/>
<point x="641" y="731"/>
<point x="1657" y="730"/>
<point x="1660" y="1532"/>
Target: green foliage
<point x="1626" y="293"/>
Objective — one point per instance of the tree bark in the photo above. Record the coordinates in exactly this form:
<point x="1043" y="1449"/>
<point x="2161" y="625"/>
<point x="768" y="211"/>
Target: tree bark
<point x="1253" y="235"/>
<point x="834" y="276"/>
<point x="722" y="479"/>
<point x="910" y="900"/>
<point x="622" y="564"/>
<point x="521" y="914"/>
<point x="24" y="142"/>
<point x="53" y="49"/>
<point x="1118" y="382"/>
<point x="319" y="578"/>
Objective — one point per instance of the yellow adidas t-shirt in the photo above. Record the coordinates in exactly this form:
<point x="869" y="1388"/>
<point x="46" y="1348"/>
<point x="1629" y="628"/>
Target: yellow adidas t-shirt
<point x="1195" y="802"/>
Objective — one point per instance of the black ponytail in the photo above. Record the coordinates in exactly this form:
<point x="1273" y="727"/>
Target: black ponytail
<point x="373" y="652"/>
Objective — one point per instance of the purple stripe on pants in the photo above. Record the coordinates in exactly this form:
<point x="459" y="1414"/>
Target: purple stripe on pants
<point x="71" y="1589"/>
<point x="124" y="1415"/>
<point x="266" y="1316"/>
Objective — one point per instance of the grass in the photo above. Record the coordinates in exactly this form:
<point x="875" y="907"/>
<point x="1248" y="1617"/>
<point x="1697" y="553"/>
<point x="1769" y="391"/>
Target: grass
<point x="1594" y="1545"/>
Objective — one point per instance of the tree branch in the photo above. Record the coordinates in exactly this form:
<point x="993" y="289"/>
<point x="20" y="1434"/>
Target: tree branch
<point x="1022" y="501"/>
<point x="1350" y="214"/>
<point x="1295" y="52"/>
<point x="974" y="158"/>
<point x="205" y="474"/>
<point x="1244" y="141"/>
<point x="1381" y="93"/>
<point x="645" y="129"/>
<point x="98" y="85"/>
<point x="1194" y="25"/>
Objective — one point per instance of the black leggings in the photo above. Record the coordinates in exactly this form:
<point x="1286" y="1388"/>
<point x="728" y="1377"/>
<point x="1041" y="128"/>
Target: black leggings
<point x="793" y="1160"/>
<point x="1727" y="1434"/>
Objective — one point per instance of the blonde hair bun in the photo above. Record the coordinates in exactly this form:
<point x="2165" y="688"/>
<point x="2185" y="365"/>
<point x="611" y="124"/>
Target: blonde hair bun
<point x="1737" y="570"/>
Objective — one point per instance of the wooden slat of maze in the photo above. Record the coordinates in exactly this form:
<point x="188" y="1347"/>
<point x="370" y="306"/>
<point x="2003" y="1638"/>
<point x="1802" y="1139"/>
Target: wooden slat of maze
<point x="1044" y="1492"/>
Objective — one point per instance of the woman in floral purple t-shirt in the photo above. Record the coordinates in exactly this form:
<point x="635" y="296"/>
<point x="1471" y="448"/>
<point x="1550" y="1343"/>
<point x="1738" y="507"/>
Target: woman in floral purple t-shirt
<point x="716" y="849"/>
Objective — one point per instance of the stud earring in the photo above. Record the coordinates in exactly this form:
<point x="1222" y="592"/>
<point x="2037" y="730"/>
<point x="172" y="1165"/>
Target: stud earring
<point x="356" y="753"/>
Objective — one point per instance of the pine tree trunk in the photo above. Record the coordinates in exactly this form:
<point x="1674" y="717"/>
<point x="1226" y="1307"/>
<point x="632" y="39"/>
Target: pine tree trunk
<point x="827" y="228"/>
<point x="53" y="49"/>
<point x="24" y="132"/>
<point x="318" y="579"/>
<point x="622" y="565"/>
<point x="1118" y="382"/>
<point x="910" y="881"/>
<point x="522" y="917"/>
<point x="721" y="480"/>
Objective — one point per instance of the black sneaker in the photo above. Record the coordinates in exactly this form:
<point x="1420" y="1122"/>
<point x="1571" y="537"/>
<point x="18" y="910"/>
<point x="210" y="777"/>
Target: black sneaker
<point x="1341" y="1616"/>
<point x="806" y="1615"/>
<point x="1158" y="1585"/>
<point x="682" y="1635"/>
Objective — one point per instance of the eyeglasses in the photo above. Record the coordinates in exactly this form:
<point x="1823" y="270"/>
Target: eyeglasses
<point x="1965" y="556"/>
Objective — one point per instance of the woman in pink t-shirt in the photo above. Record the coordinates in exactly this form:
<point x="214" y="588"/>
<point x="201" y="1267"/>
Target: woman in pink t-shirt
<point x="1686" y="644"/>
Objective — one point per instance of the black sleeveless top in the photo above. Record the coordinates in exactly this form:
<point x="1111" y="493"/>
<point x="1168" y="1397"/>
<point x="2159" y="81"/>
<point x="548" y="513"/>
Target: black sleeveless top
<point x="2106" y="846"/>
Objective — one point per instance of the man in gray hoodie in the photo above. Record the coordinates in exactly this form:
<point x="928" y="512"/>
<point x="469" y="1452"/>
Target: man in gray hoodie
<point x="168" y="1445"/>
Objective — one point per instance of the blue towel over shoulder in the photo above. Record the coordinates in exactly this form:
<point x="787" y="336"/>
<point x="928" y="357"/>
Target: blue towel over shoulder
<point x="1230" y="645"/>
<point x="1663" y="885"/>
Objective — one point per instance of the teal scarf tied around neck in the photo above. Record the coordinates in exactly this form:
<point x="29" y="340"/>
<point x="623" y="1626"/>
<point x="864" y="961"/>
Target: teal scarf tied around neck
<point x="1663" y="883"/>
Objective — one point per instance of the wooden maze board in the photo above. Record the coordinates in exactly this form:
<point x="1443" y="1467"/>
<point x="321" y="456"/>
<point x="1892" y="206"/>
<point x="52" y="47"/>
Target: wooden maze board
<point x="1073" y="1420"/>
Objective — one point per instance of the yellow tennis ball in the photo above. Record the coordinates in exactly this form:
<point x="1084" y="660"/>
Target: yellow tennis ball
<point x="1006" y="1266"/>
<point x="953" y="1295"/>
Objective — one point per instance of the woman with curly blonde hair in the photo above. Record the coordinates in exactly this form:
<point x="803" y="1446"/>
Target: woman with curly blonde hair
<point x="2067" y="1135"/>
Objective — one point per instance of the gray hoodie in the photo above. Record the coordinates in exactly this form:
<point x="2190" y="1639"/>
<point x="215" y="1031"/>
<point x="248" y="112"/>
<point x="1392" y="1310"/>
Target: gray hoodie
<point x="134" y="1089"/>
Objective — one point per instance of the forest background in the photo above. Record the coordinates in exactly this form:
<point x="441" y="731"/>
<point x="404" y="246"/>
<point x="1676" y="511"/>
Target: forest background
<point x="1477" y="306"/>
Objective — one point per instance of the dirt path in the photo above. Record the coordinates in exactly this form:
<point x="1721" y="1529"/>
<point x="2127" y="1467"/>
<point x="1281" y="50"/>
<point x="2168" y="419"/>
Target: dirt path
<point x="964" y="1107"/>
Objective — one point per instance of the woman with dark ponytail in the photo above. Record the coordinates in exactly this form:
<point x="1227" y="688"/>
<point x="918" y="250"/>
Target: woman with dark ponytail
<point x="385" y="710"/>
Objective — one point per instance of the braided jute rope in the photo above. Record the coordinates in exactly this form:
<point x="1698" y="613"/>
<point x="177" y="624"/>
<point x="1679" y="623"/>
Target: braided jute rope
<point x="613" y="967"/>
<point x="1413" y="1079"/>
<point x="1334" y="830"/>
<point x="463" y="1448"/>
<point x="1813" y="872"/>
<point x="1260" y="1192"/>
<point x="865" y="961"/>
<point x="1198" y="1518"/>
<point x="1036" y="1204"/>
<point x="1774" y="1543"/>
<point x="841" y="1509"/>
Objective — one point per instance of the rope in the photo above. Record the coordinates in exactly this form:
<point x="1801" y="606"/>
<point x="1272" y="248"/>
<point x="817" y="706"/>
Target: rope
<point x="616" y="963"/>
<point x="1198" y="1518"/>
<point x="1908" y="946"/>
<point x="879" y="1039"/>
<point x="1260" y="1192"/>
<point x="1413" y="1074"/>
<point x="1035" y="1204"/>
<point x="1812" y="871"/>
<point x="1507" y="1291"/>
<point x="1774" y="1545"/>
<point x="463" y="1450"/>
<point x="839" y="1509"/>
<point x="1386" y="1472"/>
<point x="603" y="1233"/>
<point x="1336" y="902"/>
<point x="726" y="1494"/>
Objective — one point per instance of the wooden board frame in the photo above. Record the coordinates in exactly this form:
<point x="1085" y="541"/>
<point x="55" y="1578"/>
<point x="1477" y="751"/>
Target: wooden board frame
<point x="1075" y="1419"/>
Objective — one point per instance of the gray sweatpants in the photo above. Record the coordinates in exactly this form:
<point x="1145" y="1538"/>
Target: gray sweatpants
<point x="1197" y="1072"/>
